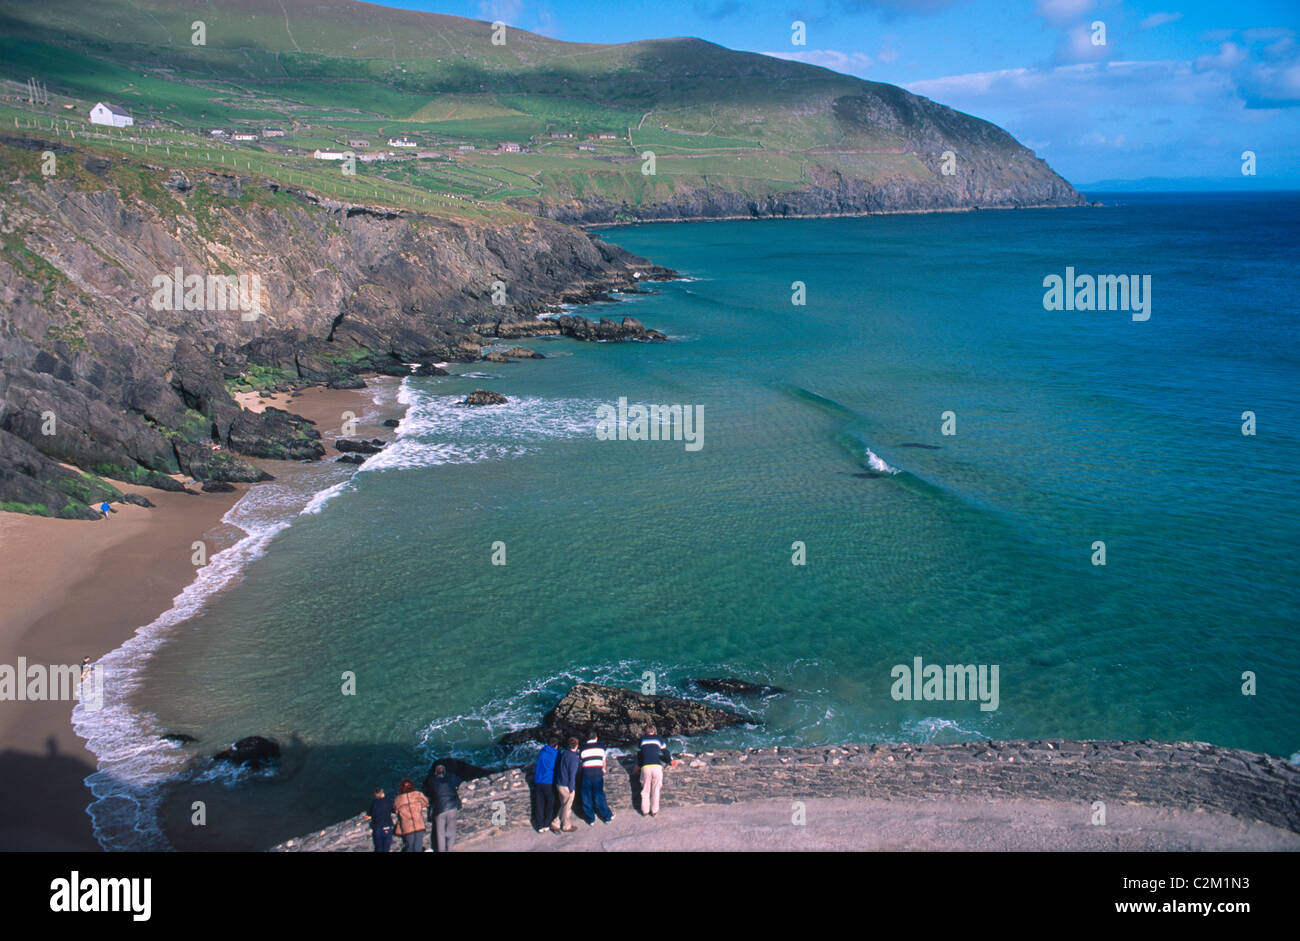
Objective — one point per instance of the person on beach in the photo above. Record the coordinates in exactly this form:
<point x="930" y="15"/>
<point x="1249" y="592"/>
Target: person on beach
<point x="593" y="781"/>
<point x="85" y="666"/>
<point x="566" y="784"/>
<point x="445" y="804"/>
<point x="380" y="816"/>
<point x="105" y="509"/>
<point x="544" y="786"/>
<point x="652" y="755"/>
<point x="410" y="808"/>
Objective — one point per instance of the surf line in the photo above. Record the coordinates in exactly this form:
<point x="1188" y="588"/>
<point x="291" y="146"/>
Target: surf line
<point x="651" y="423"/>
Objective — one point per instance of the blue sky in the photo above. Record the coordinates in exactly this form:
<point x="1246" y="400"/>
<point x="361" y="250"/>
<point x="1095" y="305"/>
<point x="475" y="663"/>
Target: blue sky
<point x="1178" y="90"/>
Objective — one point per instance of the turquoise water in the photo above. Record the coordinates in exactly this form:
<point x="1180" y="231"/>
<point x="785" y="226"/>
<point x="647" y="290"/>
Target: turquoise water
<point x="821" y="424"/>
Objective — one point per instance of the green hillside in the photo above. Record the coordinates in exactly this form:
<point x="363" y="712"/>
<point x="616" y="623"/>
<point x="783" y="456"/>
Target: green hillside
<point x="333" y="73"/>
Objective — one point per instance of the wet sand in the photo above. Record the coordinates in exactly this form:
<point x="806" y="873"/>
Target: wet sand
<point x="76" y="588"/>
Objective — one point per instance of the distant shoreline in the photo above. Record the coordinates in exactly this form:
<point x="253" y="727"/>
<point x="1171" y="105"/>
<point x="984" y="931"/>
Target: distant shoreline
<point x="595" y="226"/>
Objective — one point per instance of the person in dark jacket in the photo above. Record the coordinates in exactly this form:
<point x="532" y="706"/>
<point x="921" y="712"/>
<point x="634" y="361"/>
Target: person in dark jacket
<point x="446" y="802"/>
<point x="593" y="781"/>
<point x="566" y="784"/>
<point x="652" y="755"/>
<point x="380" y="816"/>
<point x="544" y="786"/>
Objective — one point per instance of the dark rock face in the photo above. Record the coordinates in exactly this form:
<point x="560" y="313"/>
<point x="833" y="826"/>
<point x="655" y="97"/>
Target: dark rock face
<point x="350" y="459"/>
<point x="580" y="328"/>
<point x="429" y="369"/>
<point x="139" y="499"/>
<point x="484" y="397"/>
<point x="253" y="752"/>
<point x="357" y="446"/>
<point x="727" y="684"/>
<point x="618" y="716"/>
<point x="217" y="486"/>
<point x="391" y="422"/>
<point x="495" y="357"/>
<point x="140" y="392"/>
<point x="518" y="352"/>
<point x="462" y="769"/>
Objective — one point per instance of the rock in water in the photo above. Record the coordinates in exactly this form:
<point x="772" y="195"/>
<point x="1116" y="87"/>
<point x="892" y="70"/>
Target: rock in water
<point x="180" y="738"/>
<point x="462" y="769"/>
<point x="727" y="684"/>
<point x="484" y="397"/>
<point x="253" y="752"/>
<point x="358" y="446"/>
<point x="618" y="716"/>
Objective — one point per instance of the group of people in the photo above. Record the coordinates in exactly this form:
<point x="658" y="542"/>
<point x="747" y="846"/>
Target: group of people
<point x="561" y="776"/>
<point x="440" y="800"/>
<point x="578" y="772"/>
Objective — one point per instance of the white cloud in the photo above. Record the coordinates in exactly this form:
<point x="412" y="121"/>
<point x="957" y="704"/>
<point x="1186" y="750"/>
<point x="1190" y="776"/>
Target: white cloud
<point x="1159" y="19"/>
<point x="1062" y="11"/>
<point x="507" y="11"/>
<point x="850" y="63"/>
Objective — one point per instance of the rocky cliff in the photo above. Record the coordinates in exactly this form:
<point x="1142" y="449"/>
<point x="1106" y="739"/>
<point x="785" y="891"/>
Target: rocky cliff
<point x="105" y="367"/>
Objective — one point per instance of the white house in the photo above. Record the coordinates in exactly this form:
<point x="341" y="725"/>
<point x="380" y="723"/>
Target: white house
<point x="244" y="136"/>
<point x="111" y="115"/>
<point x="401" y="142"/>
<point x="328" y="155"/>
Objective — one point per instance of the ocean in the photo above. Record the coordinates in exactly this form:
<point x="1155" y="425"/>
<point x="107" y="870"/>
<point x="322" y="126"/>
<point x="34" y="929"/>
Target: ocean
<point x="821" y="430"/>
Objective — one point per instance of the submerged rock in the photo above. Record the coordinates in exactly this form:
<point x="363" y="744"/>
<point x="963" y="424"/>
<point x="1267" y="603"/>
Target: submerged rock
<point x="484" y="397"/>
<point x="618" y="716"/>
<point x="350" y="459"/>
<point x="253" y="752"/>
<point x="358" y="446"/>
<point x="727" y="684"/>
<point x="180" y="738"/>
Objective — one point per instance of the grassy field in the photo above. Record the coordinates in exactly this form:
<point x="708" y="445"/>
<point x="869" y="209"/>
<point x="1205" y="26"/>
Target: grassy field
<point x="331" y="71"/>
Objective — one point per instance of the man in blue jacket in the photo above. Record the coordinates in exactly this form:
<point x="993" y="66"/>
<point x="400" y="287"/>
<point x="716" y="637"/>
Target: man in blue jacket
<point x="566" y="784"/>
<point x="544" y="786"/>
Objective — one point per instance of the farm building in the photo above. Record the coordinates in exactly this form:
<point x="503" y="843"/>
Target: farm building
<point x="111" y="115"/>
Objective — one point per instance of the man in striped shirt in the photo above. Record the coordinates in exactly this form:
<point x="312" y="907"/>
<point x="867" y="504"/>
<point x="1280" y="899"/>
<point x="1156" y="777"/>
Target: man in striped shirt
<point x="652" y="755"/>
<point x="593" y="781"/>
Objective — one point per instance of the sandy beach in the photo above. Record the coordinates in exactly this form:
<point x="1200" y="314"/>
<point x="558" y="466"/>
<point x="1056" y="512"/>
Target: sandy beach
<point x="76" y="588"/>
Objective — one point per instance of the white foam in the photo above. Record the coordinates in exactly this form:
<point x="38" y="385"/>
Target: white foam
<point x="438" y="430"/>
<point x="132" y="762"/>
<point x="879" y="464"/>
<point x="318" y="501"/>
